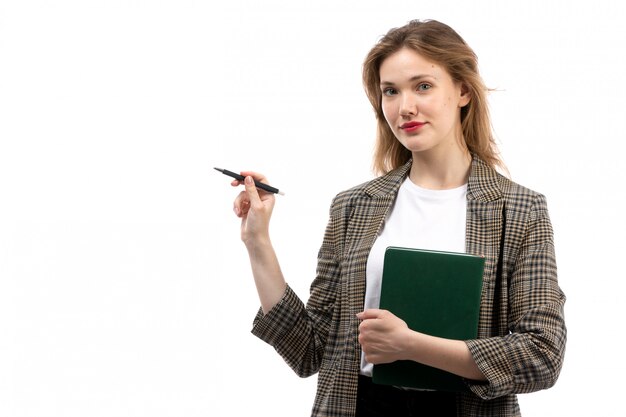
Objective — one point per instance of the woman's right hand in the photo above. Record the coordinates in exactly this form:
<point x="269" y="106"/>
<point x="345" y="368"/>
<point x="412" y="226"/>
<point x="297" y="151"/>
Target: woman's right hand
<point x="254" y="207"/>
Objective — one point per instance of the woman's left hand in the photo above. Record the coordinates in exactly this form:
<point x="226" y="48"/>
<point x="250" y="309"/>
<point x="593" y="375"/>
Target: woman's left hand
<point x="383" y="336"/>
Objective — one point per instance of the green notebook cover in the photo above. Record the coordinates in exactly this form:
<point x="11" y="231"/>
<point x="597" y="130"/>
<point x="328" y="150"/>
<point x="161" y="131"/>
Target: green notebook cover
<point x="436" y="293"/>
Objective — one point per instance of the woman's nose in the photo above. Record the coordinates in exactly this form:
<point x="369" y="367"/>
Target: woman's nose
<point x="408" y="106"/>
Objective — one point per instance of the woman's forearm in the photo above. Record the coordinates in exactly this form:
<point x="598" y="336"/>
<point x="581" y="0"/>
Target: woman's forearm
<point x="268" y="277"/>
<point x="450" y="355"/>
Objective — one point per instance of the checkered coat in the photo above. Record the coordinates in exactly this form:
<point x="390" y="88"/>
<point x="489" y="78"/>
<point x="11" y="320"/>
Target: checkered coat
<point x="521" y="335"/>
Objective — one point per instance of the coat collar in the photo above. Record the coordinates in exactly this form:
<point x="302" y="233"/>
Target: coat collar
<point x="484" y="182"/>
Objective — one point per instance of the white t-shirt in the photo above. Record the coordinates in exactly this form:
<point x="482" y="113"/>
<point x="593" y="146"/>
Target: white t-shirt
<point x="420" y="218"/>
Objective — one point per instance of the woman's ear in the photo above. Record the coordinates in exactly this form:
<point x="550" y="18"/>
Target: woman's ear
<point x="465" y="96"/>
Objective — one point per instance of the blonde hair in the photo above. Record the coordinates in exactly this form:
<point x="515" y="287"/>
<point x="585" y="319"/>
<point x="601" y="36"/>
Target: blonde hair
<point x="441" y="44"/>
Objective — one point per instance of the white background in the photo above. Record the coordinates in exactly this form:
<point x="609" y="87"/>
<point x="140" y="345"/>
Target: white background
<point x="124" y="288"/>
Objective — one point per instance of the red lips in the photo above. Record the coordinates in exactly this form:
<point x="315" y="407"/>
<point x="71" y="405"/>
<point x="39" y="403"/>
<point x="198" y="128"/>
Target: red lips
<point x="411" y="126"/>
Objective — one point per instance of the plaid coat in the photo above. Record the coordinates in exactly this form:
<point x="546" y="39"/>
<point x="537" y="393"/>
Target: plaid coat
<point x="521" y="335"/>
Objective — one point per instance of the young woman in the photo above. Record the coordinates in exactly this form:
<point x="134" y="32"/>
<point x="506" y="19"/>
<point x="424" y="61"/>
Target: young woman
<point x="439" y="190"/>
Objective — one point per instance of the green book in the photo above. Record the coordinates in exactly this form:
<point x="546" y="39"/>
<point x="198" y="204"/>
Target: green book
<point x="434" y="292"/>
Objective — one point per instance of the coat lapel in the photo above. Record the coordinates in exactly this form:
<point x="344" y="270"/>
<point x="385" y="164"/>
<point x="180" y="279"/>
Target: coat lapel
<point x="485" y="234"/>
<point x="484" y="211"/>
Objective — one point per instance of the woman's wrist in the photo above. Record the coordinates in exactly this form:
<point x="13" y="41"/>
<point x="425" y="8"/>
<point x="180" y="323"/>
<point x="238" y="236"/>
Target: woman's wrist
<point x="258" y="244"/>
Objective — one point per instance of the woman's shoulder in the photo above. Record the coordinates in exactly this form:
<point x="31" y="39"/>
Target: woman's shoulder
<point x="511" y="188"/>
<point x="386" y="185"/>
<point x="487" y="183"/>
<point x="346" y="199"/>
<point x="355" y="191"/>
<point x="522" y="200"/>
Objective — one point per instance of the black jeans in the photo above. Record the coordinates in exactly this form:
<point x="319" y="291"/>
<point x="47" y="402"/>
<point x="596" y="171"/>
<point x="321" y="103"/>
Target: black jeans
<point x="386" y="401"/>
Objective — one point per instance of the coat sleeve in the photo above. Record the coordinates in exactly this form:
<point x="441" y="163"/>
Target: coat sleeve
<point x="297" y="332"/>
<point x="530" y="357"/>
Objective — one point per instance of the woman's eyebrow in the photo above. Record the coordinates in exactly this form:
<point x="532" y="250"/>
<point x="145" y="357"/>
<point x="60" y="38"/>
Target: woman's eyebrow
<point x="412" y="79"/>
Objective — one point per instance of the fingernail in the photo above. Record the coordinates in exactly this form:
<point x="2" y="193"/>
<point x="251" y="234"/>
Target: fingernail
<point x="249" y="180"/>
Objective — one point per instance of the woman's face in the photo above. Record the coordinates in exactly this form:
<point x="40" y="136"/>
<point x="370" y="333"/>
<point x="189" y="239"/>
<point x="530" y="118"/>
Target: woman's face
<point x="421" y="102"/>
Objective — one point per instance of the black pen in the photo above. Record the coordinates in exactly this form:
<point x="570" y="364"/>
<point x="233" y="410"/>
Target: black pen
<point x="260" y="185"/>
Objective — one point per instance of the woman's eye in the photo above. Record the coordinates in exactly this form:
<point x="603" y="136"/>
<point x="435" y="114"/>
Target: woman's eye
<point x="423" y="87"/>
<point x="389" y="91"/>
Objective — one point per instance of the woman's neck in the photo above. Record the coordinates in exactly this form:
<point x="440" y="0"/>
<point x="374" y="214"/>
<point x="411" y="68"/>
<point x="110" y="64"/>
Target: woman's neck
<point x="441" y="171"/>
